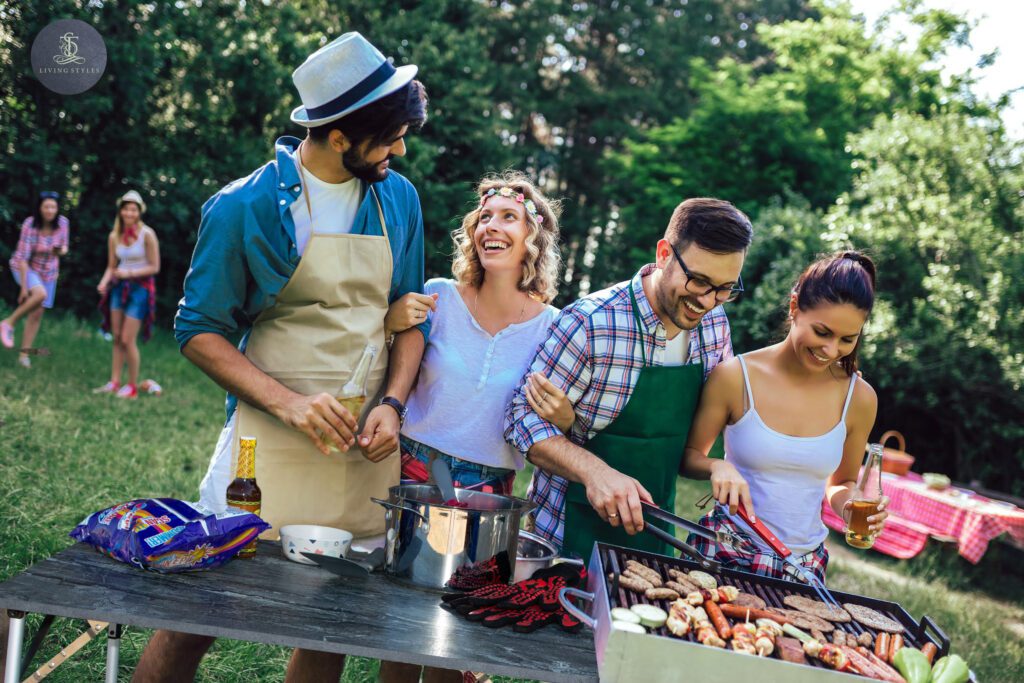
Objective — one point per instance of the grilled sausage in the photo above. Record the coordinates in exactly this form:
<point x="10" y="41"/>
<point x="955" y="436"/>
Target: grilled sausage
<point x="882" y="645"/>
<point x="634" y="583"/>
<point x="718" y="619"/>
<point x="930" y="650"/>
<point x="661" y="594"/>
<point x="645" y="572"/>
<point x="895" y="643"/>
<point x="861" y="660"/>
<point x="888" y="673"/>
<point x="744" y="613"/>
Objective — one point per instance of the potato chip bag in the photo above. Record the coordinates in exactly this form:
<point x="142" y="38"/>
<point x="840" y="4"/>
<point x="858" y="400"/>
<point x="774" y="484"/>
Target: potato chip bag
<point x="169" y="535"/>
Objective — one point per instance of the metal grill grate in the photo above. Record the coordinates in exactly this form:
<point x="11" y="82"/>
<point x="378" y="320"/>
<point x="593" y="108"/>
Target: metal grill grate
<point x="771" y="590"/>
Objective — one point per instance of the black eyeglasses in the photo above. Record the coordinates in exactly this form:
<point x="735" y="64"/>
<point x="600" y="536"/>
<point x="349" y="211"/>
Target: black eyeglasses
<point x="699" y="286"/>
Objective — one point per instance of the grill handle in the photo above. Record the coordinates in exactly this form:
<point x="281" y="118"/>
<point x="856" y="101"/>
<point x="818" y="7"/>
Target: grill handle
<point x="563" y="598"/>
<point x="922" y="637"/>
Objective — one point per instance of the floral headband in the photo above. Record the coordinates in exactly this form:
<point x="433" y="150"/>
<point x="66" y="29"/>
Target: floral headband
<point x="506" y="191"/>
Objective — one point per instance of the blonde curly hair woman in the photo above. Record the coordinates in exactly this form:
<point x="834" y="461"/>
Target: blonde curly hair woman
<point x="486" y="324"/>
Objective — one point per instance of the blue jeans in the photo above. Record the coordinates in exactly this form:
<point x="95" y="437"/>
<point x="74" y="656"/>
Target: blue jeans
<point x="138" y="300"/>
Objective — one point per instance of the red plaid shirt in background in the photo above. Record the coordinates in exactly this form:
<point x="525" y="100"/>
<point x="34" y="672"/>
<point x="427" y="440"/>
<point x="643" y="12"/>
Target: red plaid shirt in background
<point x="37" y="250"/>
<point x="592" y="354"/>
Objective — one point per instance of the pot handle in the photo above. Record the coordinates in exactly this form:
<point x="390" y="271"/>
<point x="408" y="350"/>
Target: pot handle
<point x="389" y="504"/>
<point x="563" y="598"/>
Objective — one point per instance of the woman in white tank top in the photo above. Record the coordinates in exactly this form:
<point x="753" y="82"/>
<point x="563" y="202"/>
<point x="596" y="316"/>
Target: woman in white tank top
<point x="796" y="417"/>
<point x="128" y="291"/>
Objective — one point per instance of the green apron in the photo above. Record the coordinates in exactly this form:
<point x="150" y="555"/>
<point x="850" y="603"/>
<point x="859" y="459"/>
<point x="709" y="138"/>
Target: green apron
<point x="646" y="442"/>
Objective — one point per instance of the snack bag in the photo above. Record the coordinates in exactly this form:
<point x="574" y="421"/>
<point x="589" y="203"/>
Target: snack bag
<point x="168" y="535"/>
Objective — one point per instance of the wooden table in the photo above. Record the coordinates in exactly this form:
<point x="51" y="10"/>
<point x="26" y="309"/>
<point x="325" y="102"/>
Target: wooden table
<point x="274" y="601"/>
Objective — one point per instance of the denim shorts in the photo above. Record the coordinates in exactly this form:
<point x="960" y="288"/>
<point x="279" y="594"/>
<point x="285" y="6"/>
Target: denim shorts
<point x="416" y="459"/>
<point x="138" y="300"/>
<point x="33" y="280"/>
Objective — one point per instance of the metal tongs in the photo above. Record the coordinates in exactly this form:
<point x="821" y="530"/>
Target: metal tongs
<point x="786" y="555"/>
<point x="706" y="564"/>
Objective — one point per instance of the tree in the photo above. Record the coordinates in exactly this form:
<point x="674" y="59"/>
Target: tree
<point x="760" y="130"/>
<point x="937" y="202"/>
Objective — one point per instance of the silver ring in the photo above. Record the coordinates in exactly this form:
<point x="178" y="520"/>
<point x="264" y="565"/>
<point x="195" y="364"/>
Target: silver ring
<point x="613" y="515"/>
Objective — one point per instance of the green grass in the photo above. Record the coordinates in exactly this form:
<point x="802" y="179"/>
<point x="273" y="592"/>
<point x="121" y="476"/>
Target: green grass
<point x="66" y="453"/>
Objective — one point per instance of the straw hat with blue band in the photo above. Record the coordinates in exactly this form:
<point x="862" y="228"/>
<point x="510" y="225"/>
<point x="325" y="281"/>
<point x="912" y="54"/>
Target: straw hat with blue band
<point x="343" y="76"/>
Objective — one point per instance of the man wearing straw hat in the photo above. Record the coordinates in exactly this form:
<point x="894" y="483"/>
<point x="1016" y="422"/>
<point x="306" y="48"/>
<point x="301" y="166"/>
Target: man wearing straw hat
<point x="302" y="257"/>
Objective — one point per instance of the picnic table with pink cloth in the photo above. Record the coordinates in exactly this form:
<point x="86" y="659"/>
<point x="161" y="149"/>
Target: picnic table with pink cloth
<point x="917" y="512"/>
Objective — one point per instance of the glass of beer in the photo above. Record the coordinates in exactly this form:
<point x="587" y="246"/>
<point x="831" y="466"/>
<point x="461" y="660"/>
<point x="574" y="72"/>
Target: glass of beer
<point x="865" y="501"/>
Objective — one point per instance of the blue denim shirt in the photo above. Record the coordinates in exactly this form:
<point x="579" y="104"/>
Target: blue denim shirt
<point x="245" y="252"/>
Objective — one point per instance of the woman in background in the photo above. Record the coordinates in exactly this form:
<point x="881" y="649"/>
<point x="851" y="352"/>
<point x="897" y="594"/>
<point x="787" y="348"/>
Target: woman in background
<point x="35" y="265"/>
<point x="128" y="291"/>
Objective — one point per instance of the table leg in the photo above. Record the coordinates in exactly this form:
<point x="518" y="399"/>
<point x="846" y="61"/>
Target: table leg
<point x="15" y="638"/>
<point x="113" y="652"/>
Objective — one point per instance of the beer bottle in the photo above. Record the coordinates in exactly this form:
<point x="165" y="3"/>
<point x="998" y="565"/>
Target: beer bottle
<point x="865" y="500"/>
<point x="353" y="394"/>
<point x="243" y="493"/>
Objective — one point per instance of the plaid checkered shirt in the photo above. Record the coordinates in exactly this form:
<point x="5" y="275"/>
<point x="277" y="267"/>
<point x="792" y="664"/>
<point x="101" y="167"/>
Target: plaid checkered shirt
<point x="593" y="355"/>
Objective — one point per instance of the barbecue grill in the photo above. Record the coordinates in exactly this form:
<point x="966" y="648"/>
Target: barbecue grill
<point x="658" y="656"/>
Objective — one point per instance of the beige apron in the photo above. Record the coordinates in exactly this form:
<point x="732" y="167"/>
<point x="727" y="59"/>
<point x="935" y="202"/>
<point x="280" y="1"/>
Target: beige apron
<point x="310" y="341"/>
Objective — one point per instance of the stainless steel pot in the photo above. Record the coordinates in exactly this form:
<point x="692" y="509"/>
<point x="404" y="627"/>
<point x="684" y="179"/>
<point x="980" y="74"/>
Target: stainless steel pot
<point x="532" y="553"/>
<point x="428" y="540"/>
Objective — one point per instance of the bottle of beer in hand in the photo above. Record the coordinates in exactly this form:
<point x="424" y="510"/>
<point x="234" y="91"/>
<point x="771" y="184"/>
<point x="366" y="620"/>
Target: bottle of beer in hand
<point x="243" y="493"/>
<point x="353" y="394"/>
<point x="865" y="500"/>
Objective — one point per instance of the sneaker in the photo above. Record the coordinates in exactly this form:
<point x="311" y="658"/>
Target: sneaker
<point x="7" y="335"/>
<point x="127" y="391"/>
<point x="151" y="387"/>
<point x="24" y="361"/>
<point x="108" y="388"/>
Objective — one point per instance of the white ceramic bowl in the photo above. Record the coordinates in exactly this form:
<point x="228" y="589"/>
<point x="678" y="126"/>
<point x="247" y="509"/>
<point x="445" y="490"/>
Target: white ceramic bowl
<point x="309" y="538"/>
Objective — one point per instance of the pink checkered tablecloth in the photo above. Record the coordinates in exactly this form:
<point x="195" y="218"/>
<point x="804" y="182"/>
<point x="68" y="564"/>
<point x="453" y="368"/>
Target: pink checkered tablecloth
<point x="917" y="512"/>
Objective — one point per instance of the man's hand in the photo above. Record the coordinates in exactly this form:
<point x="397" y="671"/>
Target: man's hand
<point x="616" y="498"/>
<point x="730" y="488"/>
<point x="322" y="418"/>
<point x="380" y="433"/>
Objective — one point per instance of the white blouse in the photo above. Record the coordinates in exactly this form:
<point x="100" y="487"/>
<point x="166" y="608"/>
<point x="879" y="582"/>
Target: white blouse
<point x="467" y="379"/>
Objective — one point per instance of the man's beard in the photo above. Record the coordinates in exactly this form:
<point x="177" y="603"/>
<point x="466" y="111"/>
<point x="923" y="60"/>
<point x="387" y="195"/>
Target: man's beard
<point x="670" y="305"/>
<point x="355" y="164"/>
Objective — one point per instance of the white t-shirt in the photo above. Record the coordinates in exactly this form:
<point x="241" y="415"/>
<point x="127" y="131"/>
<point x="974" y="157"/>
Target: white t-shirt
<point x="334" y="207"/>
<point x="467" y="378"/>
<point x="677" y="349"/>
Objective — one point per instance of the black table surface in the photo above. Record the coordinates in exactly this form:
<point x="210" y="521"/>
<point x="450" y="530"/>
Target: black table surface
<point x="271" y="600"/>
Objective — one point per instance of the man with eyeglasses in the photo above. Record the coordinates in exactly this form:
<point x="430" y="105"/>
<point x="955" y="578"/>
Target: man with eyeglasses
<point x="631" y="360"/>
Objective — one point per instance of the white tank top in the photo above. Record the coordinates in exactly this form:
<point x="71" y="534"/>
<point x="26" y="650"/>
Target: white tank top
<point x="787" y="474"/>
<point x="133" y="256"/>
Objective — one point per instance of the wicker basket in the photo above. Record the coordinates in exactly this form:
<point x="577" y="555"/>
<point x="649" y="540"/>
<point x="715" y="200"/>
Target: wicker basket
<point x="895" y="460"/>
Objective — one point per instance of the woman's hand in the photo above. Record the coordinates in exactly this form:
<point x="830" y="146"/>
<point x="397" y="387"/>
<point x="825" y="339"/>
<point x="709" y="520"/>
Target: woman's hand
<point x="877" y="520"/>
<point x="730" y="488"/>
<point x="103" y="286"/>
<point x="22" y="295"/>
<point x="408" y="311"/>
<point x="549" y="401"/>
<point x="122" y="274"/>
